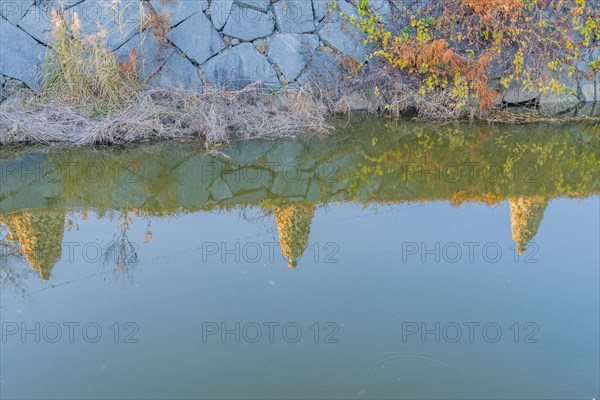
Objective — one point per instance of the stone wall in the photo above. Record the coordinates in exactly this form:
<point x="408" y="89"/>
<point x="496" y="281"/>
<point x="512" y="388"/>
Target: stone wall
<point x="228" y="43"/>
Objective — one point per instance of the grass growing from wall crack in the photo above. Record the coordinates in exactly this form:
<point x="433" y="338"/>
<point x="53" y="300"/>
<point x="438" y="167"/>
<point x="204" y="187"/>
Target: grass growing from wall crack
<point x="83" y="72"/>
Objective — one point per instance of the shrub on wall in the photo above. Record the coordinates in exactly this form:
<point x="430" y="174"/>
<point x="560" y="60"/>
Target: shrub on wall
<point x="469" y="50"/>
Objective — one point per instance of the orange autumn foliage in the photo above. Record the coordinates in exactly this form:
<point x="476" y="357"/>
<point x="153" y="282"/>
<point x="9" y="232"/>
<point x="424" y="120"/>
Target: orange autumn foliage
<point x="129" y="68"/>
<point x="460" y="54"/>
<point x="442" y="60"/>
<point x="489" y="8"/>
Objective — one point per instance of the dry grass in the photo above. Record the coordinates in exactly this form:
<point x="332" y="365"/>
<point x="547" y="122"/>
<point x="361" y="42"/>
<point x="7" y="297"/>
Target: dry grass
<point x="84" y="72"/>
<point x="166" y="114"/>
<point x="160" y="25"/>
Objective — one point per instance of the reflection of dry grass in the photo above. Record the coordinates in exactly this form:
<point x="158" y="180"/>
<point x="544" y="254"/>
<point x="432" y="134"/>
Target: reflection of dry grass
<point x="14" y="276"/>
<point x="121" y="255"/>
<point x="213" y="115"/>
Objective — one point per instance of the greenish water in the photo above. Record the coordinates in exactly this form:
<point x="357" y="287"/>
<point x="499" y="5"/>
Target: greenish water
<point x="388" y="260"/>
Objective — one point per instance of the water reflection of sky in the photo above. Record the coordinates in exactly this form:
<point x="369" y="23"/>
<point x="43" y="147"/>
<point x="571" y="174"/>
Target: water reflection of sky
<point x="369" y="293"/>
<point x="371" y="271"/>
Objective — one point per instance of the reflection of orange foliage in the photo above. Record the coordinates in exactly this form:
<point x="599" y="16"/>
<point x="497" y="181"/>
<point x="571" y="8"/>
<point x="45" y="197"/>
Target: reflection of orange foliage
<point x="441" y="59"/>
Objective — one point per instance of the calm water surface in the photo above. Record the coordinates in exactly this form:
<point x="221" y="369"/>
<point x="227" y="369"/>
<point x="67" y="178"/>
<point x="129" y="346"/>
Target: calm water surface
<point x="403" y="260"/>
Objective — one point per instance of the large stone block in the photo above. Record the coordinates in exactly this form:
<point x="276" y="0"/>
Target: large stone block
<point x="152" y="54"/>
<point x="259" y="5"/>
<point x="119" y="20"/>
<point x="290" y="52"/>
<point x="248" y="24"/>
<point x="177" y="72"/>
<point x="218" y="11"/>
<point x="160" y="65"/>
<point x="340" y="35"/>
<point x="37" y="22"/>
<point x="589" y="90"/>
<point x="294" y="16"/>
<point x="323" y="69"/>
<point x="321" y="8"/>
<point x="197" y="38"/>
<point x="240" y="66"/>
<point x="179" y="10"/>
<point x="382" y="8"/>
<point x="21" y="56"/>
<point x="518" y="94"/>
<point x="14" y="10"/>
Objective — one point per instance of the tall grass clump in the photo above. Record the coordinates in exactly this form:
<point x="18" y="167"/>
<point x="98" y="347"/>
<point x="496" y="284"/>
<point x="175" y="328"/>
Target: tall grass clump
<point x="83" y="72"/>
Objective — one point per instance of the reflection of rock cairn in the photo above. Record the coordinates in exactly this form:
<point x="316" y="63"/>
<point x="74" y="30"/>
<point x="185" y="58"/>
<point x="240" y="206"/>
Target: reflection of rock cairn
<point x="525" y="216"/>
<point x="40" y="234"/>
<point x="293" y="224"/>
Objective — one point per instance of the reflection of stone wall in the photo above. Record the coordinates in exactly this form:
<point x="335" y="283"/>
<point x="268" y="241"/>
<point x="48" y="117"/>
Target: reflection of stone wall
<point x="525" y="216"/>
<point x="40" y="234"/>
<point x="293" y="225"/>
<point x="166" y="178"/>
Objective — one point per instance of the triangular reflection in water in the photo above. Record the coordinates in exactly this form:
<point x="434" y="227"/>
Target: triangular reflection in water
<point x="525" y="217"/>
<point x="40" y="233"/>
<point x="293" y="226"/>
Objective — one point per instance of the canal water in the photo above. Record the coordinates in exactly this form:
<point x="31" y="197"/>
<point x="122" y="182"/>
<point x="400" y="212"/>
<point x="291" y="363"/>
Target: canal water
<point x="389" y="260"/>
